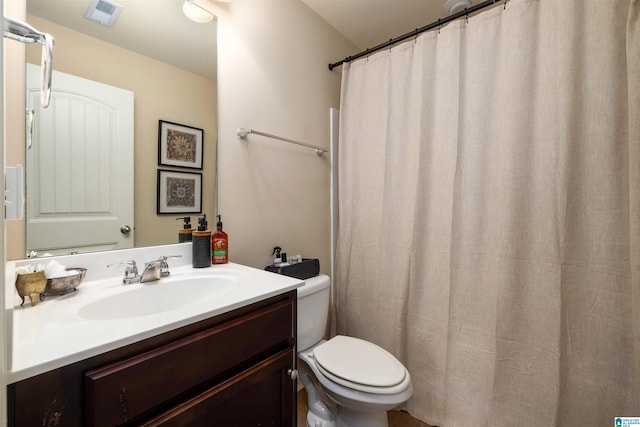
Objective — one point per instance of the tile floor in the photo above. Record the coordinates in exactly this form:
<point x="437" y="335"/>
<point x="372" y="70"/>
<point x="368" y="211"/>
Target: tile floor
<point x="396" y="418"/>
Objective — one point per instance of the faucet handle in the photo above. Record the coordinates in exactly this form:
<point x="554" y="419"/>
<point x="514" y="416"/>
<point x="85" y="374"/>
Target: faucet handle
<point x="164" y="266"/>
<point x="164" y="258"/>
<point x="130" y="272"/>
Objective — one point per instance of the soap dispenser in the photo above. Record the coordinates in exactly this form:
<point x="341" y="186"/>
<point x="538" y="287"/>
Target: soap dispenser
<point x="278" y="258"/>
<point x="201" y="245"/>
<point x="185" y="233"/>
<point x="219" y="245"/>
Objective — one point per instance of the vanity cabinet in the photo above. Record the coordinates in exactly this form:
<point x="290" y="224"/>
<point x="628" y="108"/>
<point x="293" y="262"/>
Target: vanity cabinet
<point x="235" y="369"/>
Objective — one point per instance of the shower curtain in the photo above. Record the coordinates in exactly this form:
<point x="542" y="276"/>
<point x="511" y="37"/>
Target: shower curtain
<point x="489" y="214"/>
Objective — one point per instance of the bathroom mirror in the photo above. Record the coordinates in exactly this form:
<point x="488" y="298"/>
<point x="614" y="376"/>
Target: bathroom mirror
<point x="148" y="41"/>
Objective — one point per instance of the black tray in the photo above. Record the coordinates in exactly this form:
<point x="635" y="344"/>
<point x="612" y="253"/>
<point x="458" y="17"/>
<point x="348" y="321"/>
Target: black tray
<point x="308" y="267"/>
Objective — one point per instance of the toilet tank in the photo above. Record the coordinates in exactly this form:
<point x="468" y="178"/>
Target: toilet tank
<point x="313" y="310"/>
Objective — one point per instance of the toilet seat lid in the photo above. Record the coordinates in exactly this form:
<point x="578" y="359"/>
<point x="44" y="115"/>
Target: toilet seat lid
<point x="359" y="361"/>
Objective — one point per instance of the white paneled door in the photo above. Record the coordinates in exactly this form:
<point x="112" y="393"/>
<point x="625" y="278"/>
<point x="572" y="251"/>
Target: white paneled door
<point x="79" y="166"/>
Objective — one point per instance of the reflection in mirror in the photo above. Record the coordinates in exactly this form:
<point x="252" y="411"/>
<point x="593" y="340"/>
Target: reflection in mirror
<point x="79" y="162"/>
<point x="168" y="64"/>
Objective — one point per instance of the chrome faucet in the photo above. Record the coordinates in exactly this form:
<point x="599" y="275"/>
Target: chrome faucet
<point x="153" y="270"/>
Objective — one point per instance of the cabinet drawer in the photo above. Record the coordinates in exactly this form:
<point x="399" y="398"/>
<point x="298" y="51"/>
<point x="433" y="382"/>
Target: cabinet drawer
<point x="123" y="392"/>
<point x="262" y="395"/>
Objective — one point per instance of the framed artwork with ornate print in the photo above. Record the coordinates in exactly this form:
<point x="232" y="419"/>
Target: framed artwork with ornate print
<point x="179" y="145"/>
<point x="179" y="192"/>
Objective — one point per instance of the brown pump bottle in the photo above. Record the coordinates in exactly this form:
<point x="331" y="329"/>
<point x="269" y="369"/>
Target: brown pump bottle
<point x="219" y="245"/>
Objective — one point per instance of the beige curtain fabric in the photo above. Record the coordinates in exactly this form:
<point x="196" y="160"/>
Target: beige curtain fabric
<point x="489" y="212"/>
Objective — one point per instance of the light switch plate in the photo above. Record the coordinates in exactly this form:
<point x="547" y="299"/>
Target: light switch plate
<point x="14" y="192"/>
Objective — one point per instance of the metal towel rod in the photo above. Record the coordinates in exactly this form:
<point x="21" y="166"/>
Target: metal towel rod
<point x="242" y="134"/>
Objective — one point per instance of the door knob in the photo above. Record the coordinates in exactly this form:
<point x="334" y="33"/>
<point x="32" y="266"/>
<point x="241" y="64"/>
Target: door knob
<point x="125" y="229"/>
<point x="293" y="373"/>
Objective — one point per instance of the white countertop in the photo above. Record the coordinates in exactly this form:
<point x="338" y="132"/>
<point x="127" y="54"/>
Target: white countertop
<point x="52" y="334"/>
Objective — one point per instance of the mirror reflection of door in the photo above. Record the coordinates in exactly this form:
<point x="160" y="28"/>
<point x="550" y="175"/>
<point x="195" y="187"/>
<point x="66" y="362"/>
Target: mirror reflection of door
<point x="79" y="167"/>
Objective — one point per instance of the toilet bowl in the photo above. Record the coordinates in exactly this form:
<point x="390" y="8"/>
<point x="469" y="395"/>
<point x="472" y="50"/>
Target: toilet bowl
<point x="350" y="382"/>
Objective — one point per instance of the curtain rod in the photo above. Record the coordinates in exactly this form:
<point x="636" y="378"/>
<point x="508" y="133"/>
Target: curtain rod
<point x="242" y="134"/>
<point x="417" y="31"/>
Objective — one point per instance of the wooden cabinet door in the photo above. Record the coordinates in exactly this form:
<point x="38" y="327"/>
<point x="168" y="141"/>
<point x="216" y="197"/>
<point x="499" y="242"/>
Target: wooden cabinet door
<point x="263" y="395"/>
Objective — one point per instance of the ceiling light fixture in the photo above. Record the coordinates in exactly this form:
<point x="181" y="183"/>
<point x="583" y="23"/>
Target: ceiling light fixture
<point x="453" y="6"/>
<point x="196" y="13"/>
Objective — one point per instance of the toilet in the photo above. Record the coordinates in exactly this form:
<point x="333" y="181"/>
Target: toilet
<point x="350" y="382"/>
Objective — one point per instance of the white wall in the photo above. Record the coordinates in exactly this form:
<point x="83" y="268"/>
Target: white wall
<point x="273" y="77"/>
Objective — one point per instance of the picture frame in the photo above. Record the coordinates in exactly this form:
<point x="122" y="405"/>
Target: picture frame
<point x="179" y="145"/>
<point x="179" y="192"/>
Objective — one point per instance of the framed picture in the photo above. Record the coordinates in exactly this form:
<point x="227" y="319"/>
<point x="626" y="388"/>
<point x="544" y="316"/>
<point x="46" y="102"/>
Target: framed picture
<point x="179" y="192"/>
<point x="179" y="145"/>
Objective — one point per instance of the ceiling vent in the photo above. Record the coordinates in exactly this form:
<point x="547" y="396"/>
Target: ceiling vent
<point x="104" y="12"/>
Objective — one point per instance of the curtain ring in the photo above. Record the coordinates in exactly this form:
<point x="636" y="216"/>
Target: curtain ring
<point x="466" y="19"/>
<point x="505" y="5"/>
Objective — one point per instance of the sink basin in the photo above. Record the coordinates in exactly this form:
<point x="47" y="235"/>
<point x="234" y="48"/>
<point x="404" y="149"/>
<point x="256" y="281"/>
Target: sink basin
<point x="157" y="297"/>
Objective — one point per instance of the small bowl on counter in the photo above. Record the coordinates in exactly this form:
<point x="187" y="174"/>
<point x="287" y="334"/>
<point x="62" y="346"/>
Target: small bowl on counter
<point x="66" y="284"/>
<point x="31" y="285"/>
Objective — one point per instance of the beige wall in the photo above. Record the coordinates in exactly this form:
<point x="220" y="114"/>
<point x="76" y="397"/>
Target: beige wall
<point x="4" y="336"/>
<point x="161" y="92"/>
<point x="14" y="123"/>
<point x="273" y="77"/>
